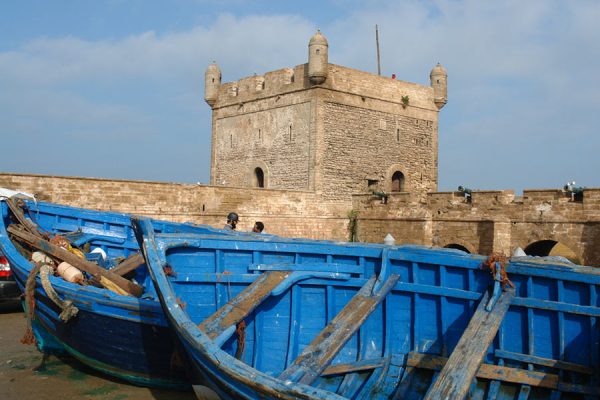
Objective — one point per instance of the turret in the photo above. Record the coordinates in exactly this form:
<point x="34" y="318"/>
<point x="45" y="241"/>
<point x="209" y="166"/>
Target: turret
<point x="439" y="78"/>
<point x="317" y="58"/>
<point x="212" y="81"/>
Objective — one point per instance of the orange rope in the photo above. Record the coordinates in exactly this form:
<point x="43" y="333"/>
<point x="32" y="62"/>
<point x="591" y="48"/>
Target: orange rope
<point x="492" y="262"/>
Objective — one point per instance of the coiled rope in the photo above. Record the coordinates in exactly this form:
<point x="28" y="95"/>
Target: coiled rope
<point x="68" y="309"/>
<point x="28" y="337"/>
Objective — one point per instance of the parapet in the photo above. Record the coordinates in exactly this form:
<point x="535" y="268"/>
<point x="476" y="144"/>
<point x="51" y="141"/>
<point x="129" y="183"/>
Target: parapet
<point x="260" y="86"/>
<point x="341" y="79"/>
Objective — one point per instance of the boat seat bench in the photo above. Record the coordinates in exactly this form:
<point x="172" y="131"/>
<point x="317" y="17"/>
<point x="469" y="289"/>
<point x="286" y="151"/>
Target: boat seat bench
<point x="242" y="304"/>
<point x="460" y="370"/>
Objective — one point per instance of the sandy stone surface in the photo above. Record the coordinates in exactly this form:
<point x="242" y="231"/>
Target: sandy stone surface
<point x="25" y="374"/>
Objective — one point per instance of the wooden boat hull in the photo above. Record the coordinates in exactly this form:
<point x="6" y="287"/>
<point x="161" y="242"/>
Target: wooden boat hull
<point x="544" y="344"/>
<point x="123" y="336"/>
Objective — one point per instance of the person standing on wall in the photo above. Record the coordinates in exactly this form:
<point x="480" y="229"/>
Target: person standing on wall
<point x="232" y="220"/>
<point x="258" y="227"/>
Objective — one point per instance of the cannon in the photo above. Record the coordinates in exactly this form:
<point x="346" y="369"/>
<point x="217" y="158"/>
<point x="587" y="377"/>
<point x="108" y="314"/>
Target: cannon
<point x="576" y="192"/>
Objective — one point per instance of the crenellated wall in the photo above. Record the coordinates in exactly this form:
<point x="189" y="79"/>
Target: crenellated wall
<point x="489" y="221"/>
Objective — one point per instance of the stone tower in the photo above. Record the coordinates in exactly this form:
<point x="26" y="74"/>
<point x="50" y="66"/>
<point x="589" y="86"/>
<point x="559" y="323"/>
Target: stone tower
<point x="212" y="81"/>
<point x="325" y="128"/>
<point x="439" y="78"/>
<point x="317" y="58"/>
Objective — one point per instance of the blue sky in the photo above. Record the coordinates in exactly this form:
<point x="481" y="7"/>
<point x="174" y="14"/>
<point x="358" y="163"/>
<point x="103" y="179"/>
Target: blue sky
<point x="114" y="88"/>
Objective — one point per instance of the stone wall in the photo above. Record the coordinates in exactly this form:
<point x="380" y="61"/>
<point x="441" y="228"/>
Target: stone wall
<point x="489" y="221"/>
<point x="285" y="213"/>
<point x="372" y="144"/>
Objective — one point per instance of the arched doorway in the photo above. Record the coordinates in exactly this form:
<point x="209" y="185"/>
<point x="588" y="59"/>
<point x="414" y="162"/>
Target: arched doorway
<point x="398" y="182"/>
<point x="457" y="247"/>
<point x="544" y="248"/>
<point x="259" y="177"/>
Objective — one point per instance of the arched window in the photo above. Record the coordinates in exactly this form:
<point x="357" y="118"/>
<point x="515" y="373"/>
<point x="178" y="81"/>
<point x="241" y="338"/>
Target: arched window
<point x="259" y="176"/>
<point x="398" y="182"/>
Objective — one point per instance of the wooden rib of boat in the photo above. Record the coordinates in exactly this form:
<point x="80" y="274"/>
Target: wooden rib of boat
<point x="276" y="318"/>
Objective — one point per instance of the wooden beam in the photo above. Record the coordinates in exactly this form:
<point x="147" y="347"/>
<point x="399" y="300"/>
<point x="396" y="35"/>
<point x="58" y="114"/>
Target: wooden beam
<point x="103" y="276"/>
<point x="547" y="362"/>
<point x="318" y="354"/>
<point x="129" y="264"/>
<point x="504" y="374"/>
<point x="363" y="365"/>
<point x="29" y="225"/>
<point x="463" y="364"/>
<point x="242" y="304"/>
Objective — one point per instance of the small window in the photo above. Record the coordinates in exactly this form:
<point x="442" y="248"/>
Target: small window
<point x="259" y="176"/>
<point x="398" y="182"/>
<point x="317" y="51"/>
<point x="291" y="135"/>
<point x="398" y="134"/>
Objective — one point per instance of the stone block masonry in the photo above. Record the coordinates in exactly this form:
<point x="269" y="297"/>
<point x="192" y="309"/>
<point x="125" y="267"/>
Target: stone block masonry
<point x="285" y="213"/>
<point x="490" y="221"/>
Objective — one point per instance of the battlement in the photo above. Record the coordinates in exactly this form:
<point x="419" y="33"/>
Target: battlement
<point x="262" y="86"/>
<point x="341" y="79"/>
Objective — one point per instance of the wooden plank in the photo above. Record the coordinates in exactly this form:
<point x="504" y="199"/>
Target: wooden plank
<point x="505" y="374"/>
<point x="243" y="304"/>
<point x="488" y="371"/>
<point x="29" y="225"/>
<point x="461" y="368"/>
<point x="363" y="365"/>
<point x="564" y="365"/>
<point x="129" y="264"/>
<point x="318" y="354"/>
<point x="103" y="276"/>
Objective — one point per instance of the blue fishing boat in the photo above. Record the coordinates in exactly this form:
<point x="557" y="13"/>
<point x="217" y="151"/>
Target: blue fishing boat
<point x="123" y="335"/>
<point x="276" y="318"/>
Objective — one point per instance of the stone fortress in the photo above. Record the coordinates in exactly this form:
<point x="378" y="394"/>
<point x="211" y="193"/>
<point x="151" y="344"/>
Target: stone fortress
<point x="328" y="152"/>
<point x="324" y="128"/>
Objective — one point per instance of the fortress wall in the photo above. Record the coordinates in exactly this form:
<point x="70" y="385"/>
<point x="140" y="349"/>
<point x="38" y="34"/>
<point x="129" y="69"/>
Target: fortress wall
<point x="274" y="134"/>
<point x="285" y="213"/>
<point x="490" y="221"/>
<point x="362" y="143"/>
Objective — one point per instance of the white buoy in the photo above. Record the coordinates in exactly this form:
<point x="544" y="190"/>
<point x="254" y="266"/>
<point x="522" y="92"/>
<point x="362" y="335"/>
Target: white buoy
<point x="389" y="240"/>
<point x="69" y="273"/>
<point x="41" y="258"/>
